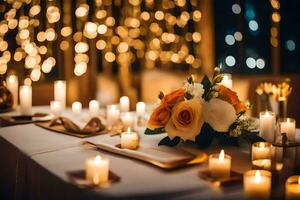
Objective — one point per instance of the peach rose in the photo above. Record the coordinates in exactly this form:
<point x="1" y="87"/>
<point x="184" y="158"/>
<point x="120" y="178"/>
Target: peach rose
<point x="231" y="97"/>
<point x="159" y="117"/>
<point x="186" y="120"/>
<point x="174" y="97"/>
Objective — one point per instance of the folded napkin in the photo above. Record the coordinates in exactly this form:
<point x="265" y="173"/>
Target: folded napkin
<point x="11" y="120"/>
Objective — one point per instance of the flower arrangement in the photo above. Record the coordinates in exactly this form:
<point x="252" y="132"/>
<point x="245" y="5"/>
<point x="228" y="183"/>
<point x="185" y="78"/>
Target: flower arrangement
<point x="200" y="112"/>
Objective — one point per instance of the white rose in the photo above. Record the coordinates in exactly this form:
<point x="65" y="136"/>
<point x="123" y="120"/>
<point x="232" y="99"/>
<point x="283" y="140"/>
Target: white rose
<point x="198" y="90"/>
<point x="219" y="114"/>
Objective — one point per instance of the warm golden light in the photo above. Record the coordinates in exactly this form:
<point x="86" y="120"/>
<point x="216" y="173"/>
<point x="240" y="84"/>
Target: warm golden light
<point x="110" y="57"/>
<point x="100" y="44"/>
<point x="66" y="31"/>
<point x="222" y="155"/>
<point x="257" y="177"/>
<point x="102" y="29"/>
<point x="81" y="47"/>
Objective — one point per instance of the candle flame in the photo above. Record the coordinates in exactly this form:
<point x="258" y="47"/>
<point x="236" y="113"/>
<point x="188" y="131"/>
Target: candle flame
<point x="222" y="155"/>
<point x="128" y="130"/>
<point x="12" y="78"/>
<point x="262" y="145"/>
<point x="288" y="120"/>
<point x="257" y="178"/>
<point x="267" y="114"/>
<point x="299" y="180"/>
<point x="98" y="158"/>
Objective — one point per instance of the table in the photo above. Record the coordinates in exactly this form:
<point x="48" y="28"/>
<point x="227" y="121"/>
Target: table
<point x="34" y="162"/>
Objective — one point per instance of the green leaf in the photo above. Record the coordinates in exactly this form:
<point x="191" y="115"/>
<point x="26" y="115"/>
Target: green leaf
<point x="169" y="142"/>
<point x="206" y="85"/>
<point x="251" y="137"/>
<point x="205" y="138"/>
<point x="149" y="131"/>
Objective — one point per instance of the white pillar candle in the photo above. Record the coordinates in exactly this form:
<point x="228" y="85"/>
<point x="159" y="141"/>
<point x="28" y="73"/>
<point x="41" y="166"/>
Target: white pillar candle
<point x="25" y="99"/>
<point x="292" y="188"/>
<point x="76" y="108"/>
<point x="124" y="104"/>
<point x="219" y="165"/>
<point x="112" y="114"/>
<point x="97" y="170"/>
<point x="267" y="125"/>
<point x="60" y="92"/>
<point x="288" y="126"/>
<point x="56" y="108"/>
<point x="129" y="140"/>
<point x="12" y="85"/>
<point x="94" y="108"/>
<point x="257" y="184"/>
<point x="140" y="109"/>
<point x="227" y="81"/>
<point x="127" y="119"/>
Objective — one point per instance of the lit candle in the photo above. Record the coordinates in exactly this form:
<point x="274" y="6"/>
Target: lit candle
<point x="288" y="126"/>
<point x="127" y="119"/>
<point x="219" y="165"/>
<point x="292" y="188"/>
<point x="267" y="125"/>
<point x="60" y="92"/>
<point x="261" y="155"/>
<point x="124" y="104"/>
<point x="112" y="114"/>
<point x="140" y="109"/>
<point x="227" y="81"/>
<point x="97" y="170"/>
<point x="129" y="140"/>
<point x="55" y="107"/>
<point x="257" y="184"/>
<point x="76" y="107"/>
<point x="25" y="99"/>
<point x="94" y="108"/>
<point x="12" y="85"/>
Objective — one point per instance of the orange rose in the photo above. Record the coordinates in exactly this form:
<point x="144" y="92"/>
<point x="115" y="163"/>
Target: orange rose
<point x="159" y="117"/>
<point x="231" y="97"/>
<point x="174" y="97"/>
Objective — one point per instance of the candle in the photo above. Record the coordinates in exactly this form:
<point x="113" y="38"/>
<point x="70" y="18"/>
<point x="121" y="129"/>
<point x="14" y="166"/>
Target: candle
<point x="55" y="107"/>
<point x="124" y="104"/>
<point x="219" y="165"/>
<point x="127" y="119"/>
<point x="227" y="81"/>
<point x="292" y="188"/>
<point x="94" y="108"/>
<point x="140" y="109"/>
<point x="288" y="126"/>
<point x="129" y="140"/>
<point x="97" y="170"/>
<point x="267" y="125"/>
<point x="25" y="99"/>
<point x="60" y="92"/>
<point x="76" y="107"/>
<point x="257" y="184"/>
<point x="261" y="155"/>
<point x="12" y="85"/>
<point x="112" y="114"/>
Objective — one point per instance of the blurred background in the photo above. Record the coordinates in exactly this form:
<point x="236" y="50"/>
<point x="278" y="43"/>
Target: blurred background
<point x="109" y="48"/>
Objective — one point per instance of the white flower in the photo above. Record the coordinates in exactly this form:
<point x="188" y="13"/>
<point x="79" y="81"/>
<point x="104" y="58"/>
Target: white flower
<point x="195" y="89"/>
<point x="219" y="114"/>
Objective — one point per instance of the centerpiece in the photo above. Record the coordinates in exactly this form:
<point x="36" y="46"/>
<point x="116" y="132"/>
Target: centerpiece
<point x="200" y="113"/>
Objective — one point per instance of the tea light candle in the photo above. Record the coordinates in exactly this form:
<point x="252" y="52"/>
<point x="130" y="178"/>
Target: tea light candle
<point x="129" y="140"/>
<point x="227" y="81"/>
<point x="267" y="125"/>
<point x="292" y="188"/>
<point x="112" y="114"/>
<point x="257" y="184"/>
<point x="140" y="108"/>
<point x="97" y="170"/>
<point x="124" y="104"/>
<point x="219" y="165"/>
<point x="127" y="119"/>
<point x="261" y="154"/>
<point x="55" y="107"/>
<point x="76" y="107"/>
<point x="25" y="99"/>
<point x="60" y="92"/>
<point x="12" y="85"/>
<point x="288" y="126"/>
<point x="94" y="108"/>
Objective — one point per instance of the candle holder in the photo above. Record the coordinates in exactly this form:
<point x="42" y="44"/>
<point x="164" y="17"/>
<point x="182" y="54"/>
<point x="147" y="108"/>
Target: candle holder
<point x="288" y="126"/>
<point x="267" y="123"/>
<point x="113" y="117"/>
<point x="261" y="155"/>
<point x="292" y="188"/>
<point x="219" y="165"/>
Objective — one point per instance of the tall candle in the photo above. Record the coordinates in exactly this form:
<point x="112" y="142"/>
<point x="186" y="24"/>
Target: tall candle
<point x="94" y="108"/>
<point x="97" y="170"/>
<point x="129" y="140"/>
<point x="267" y="125"/>
<point x="60" y="92"/>
<point x="12" y="85"/>
<point x="227" y="81"/>
<point x="25" y="99"/>
<point x="76" y="107"/>
<point x="127" y="119"/>
<point x="112" y="114"/>
<point x="140" y="108"/>
<point x="288" y="126"/>
<point x="292" y="188"/>
<point x="124" y="104"/>
<point x="219" y="165"/>
<point x="56" y="108"/>
<point x="257" y="184"/>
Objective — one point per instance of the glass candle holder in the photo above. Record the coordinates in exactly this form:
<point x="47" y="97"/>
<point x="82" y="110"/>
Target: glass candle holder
<point x="292" y="188"/>
<point x="219" y="165"/>
<point x="267" y="121"/>
<point x="288" y="126"/>
<point x="261" y="155"/>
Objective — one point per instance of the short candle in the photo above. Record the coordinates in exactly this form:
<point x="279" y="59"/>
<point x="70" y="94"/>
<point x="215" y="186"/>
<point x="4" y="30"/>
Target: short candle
<point x="124" y="104"/>
<point x="292" y="188"/>
<point x="12" y="85"/>
<point x="127" y="119"/>
<point x="97" y="170"/>
<point x="288" y="126"/>
<point x="140" y="108"/>
<point x="129" y="140"/>
<point x="60" y="92"/>
<point x="112" y="114"/>
<point x="267" y="122"/>
<point x="56" y="108"/>
<point x="219" y="165"/>
<point x="261" y="155"/>
<point x="25" y="99"/>
<point x="94" y="108"/>
<point x="76" y="107"/>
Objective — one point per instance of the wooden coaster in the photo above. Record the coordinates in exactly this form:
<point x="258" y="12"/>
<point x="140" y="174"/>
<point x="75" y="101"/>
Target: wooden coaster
<point x="78" y="178"/>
